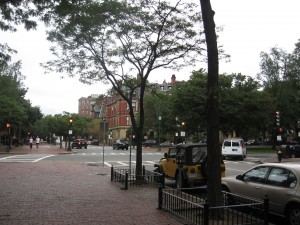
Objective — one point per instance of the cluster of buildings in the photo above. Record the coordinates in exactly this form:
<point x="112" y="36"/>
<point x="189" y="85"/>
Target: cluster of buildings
<point x="113" y="110"/>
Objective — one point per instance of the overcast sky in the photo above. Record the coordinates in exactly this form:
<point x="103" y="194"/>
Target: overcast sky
<point x="250" y="27"/>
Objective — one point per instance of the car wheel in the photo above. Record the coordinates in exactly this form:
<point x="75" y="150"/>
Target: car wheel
<point x="294" y="215"/>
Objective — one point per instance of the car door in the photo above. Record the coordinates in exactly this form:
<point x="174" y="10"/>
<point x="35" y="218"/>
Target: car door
<point x="250" y="183"/>
<point x="280" y="186"/>
<point x="171" y="166"/>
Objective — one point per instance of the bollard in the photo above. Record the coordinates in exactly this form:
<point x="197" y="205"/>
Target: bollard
<point x="126" y="181"/>
<point x="111" y="173"/>
<point x="279" y="154"/>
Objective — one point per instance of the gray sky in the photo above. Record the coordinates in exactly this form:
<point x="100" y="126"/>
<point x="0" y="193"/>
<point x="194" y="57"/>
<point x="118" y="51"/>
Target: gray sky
<point x="250" y="26"/>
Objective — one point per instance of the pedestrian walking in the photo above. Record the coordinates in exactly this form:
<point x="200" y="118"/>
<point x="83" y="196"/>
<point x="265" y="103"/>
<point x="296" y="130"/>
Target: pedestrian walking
<point x="30" y="142"/>
<point x="37" y="142"/>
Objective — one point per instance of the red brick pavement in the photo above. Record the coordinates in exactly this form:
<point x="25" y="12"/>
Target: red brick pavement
<point x="48" y="193"/>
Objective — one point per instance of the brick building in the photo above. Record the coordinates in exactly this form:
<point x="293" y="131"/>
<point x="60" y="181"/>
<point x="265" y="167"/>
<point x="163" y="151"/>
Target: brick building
<point x="85" y="106"/>
<point x="114" y="110"/>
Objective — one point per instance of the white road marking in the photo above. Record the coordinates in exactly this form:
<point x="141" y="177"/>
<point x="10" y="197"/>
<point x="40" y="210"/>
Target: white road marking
<point x="25" y="158"/>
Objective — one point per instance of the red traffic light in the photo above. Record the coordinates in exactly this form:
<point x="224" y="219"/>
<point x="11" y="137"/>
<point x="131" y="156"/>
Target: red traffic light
<point x="8" y="125"/>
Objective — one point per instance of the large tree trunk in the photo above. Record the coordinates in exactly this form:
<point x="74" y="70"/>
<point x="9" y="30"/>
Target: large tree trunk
<point x="213" y="145"/>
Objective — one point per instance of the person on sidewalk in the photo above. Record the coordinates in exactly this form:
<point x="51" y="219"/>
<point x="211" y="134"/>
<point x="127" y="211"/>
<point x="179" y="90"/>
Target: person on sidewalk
<point x="37" y="142"/>
<point x="30" y="142"/>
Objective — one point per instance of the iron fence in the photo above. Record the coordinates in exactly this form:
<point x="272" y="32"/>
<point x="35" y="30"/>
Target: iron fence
<point x="235" y="210"/>
<point x="128" y="177"/>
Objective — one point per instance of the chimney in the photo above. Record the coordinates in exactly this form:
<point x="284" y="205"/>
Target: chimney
<point x="173" y="79"/>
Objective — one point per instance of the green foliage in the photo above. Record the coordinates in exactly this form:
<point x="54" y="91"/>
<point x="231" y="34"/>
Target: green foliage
<point x="244" y="108"/>
<point x="281" y="79"/>
<point x="14" y="108"/>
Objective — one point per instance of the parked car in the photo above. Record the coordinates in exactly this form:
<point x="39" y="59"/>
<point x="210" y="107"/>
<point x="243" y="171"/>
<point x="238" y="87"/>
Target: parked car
<point x="121" y="144"/>
<point x="79" y="143"/>
<point x="279" y="181"/>
<point x="253" y="142"/>
<point x="186" y="164"/>
<point x="234" y="147"/>
<point x="166" y="144"/>
<point x="94" y="142"/>
<point x="149" y="143"/>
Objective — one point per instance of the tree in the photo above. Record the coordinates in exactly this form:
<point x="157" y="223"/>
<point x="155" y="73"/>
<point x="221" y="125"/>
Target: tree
<point x="280" y="78"/>
<point x="243" y="104"/>
<point x="123" y="43"/>
<point x="213" y="143"/>
<point x="189" y="102"/>
<point x="16" y="12"/>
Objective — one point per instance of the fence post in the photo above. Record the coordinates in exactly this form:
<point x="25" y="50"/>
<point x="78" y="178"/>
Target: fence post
<point x="111" y="173"/>
<point x="162" y="180"/>
<point x="160" y="196"/>
<point x="266" y="210"/>
<point x="206" y="213"/>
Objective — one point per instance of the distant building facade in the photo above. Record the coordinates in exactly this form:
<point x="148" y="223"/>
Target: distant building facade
<point x="85" y="106"/>
<point x="114" y="110"/>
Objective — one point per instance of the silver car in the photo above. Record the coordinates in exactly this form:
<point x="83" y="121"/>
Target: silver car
<point x="279" y="181"/>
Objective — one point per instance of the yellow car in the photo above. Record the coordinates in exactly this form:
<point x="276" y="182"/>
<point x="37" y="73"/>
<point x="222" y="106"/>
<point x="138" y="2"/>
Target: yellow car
<point x="186" y="163"/>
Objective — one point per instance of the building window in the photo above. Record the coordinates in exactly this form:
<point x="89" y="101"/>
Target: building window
<point x="133" y="106"/>
<point x="128" y="121"/>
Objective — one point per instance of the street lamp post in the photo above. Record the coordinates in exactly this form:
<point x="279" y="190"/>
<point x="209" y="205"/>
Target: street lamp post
<point x="104" y="120"/>
<point x="69" y="133"/>
<point x="159" y="147"/>
<point x="8" y="125"/>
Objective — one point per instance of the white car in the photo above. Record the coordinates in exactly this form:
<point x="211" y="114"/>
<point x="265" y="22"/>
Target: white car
<point x="234" y="147"/>
<point x="279" y="181"/>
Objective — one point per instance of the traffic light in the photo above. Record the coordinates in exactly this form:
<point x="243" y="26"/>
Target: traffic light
<point x="8" y="125"/>
<point x="277" y="118"/>
<point x="182" y="123"/>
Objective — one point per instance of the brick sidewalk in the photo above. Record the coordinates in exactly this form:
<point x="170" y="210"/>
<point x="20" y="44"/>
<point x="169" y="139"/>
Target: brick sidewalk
<point x="74" y="194"/>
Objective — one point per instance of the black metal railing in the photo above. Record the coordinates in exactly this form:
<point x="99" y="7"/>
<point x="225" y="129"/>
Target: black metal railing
<point x="236" y="210"/>
<point x="128" y="177"/>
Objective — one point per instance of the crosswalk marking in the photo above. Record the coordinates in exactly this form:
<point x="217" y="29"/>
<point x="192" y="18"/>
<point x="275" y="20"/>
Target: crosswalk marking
<point x="122" y="163"/>
<point x="25" y="158"/>
<point x="113" y="153"/>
